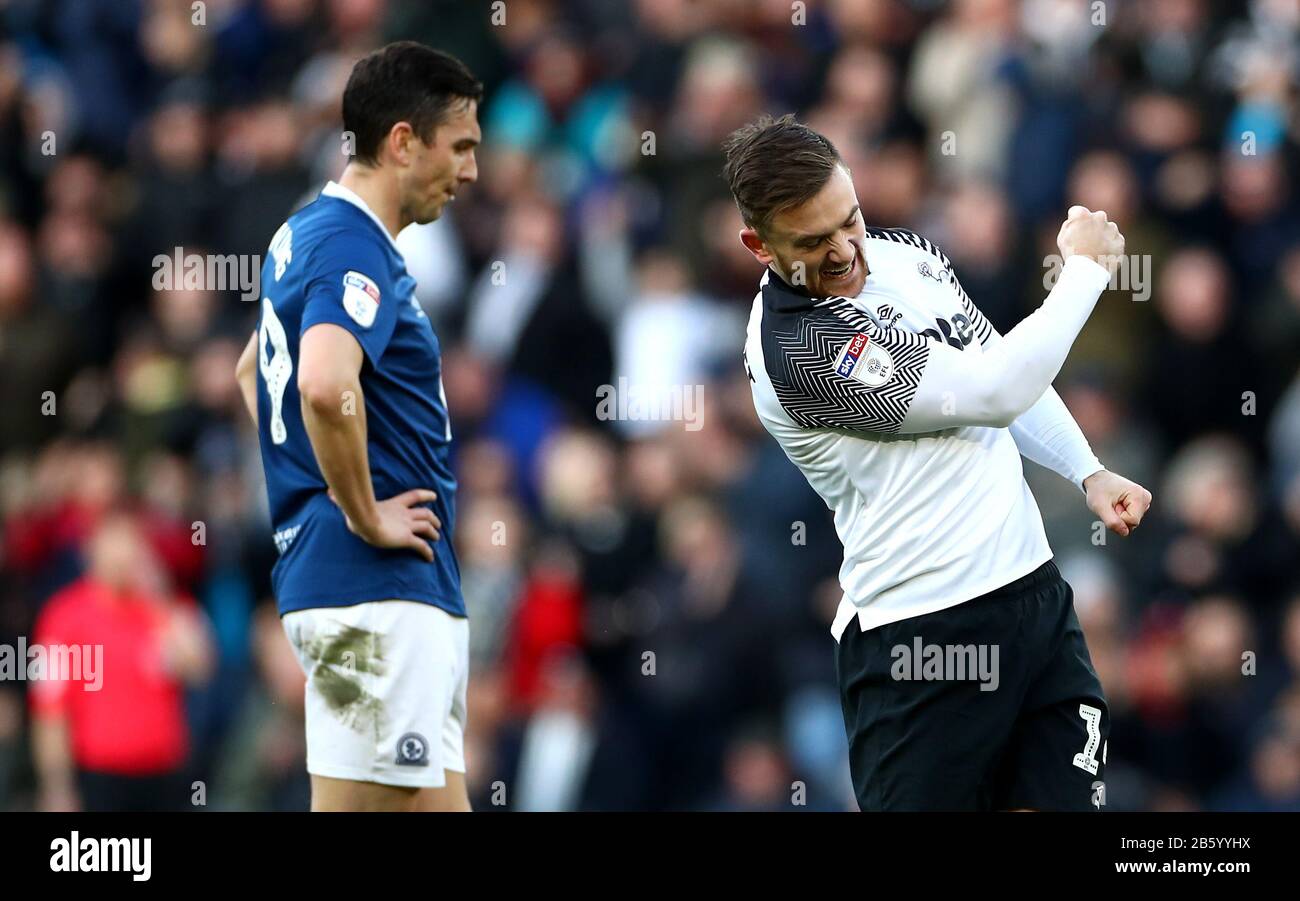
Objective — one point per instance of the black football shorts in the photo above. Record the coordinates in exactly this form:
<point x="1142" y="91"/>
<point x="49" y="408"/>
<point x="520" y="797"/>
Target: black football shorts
<point x="992" y="704"/>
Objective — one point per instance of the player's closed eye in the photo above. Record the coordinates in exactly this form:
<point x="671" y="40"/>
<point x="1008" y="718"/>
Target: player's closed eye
<point x="811" y="243"/>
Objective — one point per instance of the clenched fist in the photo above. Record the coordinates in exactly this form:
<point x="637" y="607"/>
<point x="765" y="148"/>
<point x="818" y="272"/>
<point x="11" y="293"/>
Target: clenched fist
<point x="1089" y="234"/>
<point x="1120" y="502"/>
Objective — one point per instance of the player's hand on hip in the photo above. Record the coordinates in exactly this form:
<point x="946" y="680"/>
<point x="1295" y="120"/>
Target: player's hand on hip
<point x="1119" y="502"/>
<point x="1090" y="234"/>
<point x="401" y="523"/>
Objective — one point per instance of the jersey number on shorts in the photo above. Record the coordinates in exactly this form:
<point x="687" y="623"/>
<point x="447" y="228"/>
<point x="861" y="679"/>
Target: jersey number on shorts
<point x="276" y="367"/>
<point x="1087" y="758"/>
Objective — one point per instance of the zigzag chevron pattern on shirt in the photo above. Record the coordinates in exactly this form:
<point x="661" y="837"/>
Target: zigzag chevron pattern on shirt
<point x="982" y="327"/>
<point x="800" y="354"/>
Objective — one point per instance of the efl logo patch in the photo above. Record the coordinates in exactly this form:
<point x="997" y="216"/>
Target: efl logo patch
<point x="864" y="362"/>
<point x="360" y="298"/>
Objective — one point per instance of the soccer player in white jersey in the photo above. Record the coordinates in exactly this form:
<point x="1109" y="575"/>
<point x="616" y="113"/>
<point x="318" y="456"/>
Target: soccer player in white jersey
<point x="964" y="676"/>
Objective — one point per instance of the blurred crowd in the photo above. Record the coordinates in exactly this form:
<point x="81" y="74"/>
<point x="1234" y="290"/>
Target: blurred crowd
<point x="650" y="599"/>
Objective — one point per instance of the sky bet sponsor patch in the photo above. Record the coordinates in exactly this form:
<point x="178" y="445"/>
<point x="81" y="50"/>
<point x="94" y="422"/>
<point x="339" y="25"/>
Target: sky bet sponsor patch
<point x="360" y="298"/>
<point x="864" y="362"/>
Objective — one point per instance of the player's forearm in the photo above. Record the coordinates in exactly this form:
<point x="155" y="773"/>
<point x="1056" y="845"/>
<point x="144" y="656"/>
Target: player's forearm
<point x="994" y="388"/>
<point x="1048" y="435"/>
<point x="335" y="418"/>
<point x="246" y="376"/>
<point x="1032" y="353"/>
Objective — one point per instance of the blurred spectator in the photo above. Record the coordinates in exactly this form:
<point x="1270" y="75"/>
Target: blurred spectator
<point x="260" y="765"/>
<point x="116" y="738"/>
<point x="571" y="754"/>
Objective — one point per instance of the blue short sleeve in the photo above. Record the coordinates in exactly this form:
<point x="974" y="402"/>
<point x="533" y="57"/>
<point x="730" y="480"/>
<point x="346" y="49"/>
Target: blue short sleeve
<point x="349" y="286"/>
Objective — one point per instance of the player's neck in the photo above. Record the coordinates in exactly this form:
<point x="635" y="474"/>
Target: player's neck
<point x="380" y="192"/>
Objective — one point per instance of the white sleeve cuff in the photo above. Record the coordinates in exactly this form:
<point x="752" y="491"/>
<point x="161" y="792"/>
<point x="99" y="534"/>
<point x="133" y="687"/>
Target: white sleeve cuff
<point x="1088" y="271"/>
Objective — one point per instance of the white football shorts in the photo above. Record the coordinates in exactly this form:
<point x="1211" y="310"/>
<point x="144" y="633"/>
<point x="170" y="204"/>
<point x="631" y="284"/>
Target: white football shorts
<point x="386" y="686"/>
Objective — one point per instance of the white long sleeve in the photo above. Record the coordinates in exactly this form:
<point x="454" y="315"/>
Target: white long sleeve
<point x="998" y="386"/>
<point x="1047" y="434"/>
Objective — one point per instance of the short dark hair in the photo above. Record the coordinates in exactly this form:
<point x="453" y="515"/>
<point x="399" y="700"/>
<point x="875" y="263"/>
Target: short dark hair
<point x="403" y="82"/>
<point x="775" y="164"/>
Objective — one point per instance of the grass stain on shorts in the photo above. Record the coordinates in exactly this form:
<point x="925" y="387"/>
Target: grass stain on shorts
<point x="341" y="661"/>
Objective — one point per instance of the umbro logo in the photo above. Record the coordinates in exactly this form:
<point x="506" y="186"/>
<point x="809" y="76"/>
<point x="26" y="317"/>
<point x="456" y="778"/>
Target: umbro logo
<point x="887" y="316"/>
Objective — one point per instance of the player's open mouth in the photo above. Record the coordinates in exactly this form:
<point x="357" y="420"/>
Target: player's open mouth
<point x="835" y="275"/>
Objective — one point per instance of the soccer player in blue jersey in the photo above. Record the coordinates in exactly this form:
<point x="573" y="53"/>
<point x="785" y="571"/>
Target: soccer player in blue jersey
<point x="343" y="378"/>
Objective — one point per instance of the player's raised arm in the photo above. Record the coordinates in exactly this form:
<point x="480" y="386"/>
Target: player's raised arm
<point x="997" y="386"/>
<point x="837" y="369"/>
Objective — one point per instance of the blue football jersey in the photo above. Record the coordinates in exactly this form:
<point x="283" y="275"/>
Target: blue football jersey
<point x="334" y="262"/>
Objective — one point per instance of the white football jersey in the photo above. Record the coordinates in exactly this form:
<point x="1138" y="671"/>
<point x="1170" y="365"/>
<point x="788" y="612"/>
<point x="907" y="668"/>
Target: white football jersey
<point x="929" y="519"/>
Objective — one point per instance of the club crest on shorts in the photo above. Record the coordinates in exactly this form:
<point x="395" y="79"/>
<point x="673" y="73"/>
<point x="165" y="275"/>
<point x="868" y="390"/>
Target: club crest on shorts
<point x="360" y="298"/>
<point x="864" y="362"/>
<point x="412" y="750"/>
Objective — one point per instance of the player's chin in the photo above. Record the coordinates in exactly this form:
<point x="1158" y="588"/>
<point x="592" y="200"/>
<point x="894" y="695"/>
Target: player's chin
<point x="430" y="213"/>
<point x="849" y="284"/>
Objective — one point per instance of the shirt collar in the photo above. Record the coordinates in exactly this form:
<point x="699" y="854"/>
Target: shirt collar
<point x="781" y="296"/>
<point x="784" y="297"/>
<point x="336" y="190"/>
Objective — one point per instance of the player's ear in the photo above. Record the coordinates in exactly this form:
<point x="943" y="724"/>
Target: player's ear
<point x="399" y="141"/>
<point x="755" y="244"/>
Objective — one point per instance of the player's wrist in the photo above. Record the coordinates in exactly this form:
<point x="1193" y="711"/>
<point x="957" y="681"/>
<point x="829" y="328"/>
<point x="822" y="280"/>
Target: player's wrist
<point x="1092" y="477"/>
<point x="1087" y="265"/>
<point x="365" y="521"/>
<point x="1082" y="277"/>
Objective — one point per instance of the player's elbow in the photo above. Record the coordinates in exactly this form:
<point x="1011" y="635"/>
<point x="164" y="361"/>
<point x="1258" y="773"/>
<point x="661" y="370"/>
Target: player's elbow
<point x="329" y="371"/>
<point x="1005" y="411"/>
<point x="1000" y="403"/>
<point x="322" y="398"/>
<point x="1002" y="419"/>
<point x="324" y="393"/>
<point x="1004" y="387"/>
